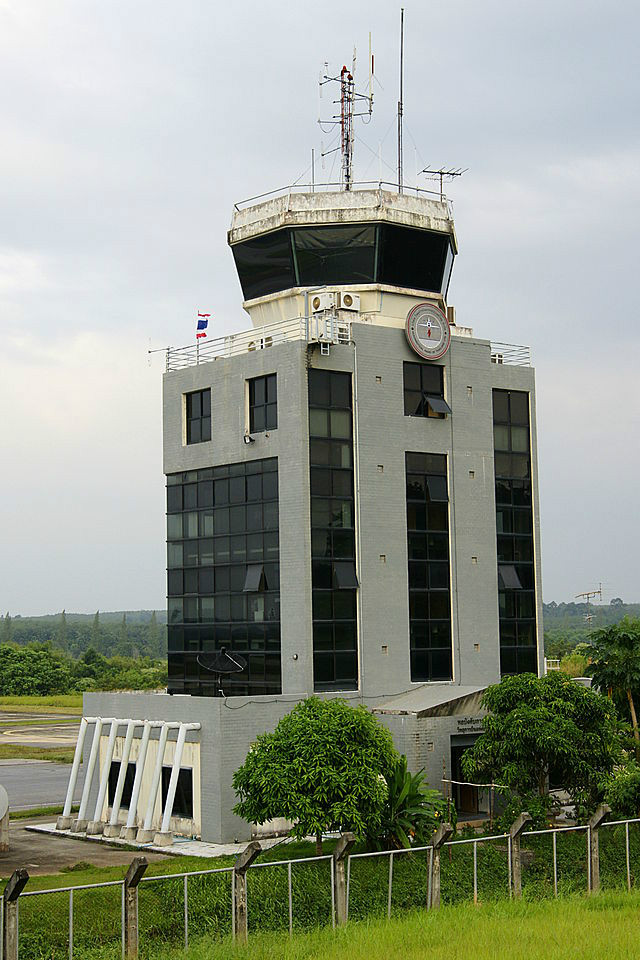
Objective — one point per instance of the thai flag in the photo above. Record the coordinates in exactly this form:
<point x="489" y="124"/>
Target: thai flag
<point x="203" y="322"/>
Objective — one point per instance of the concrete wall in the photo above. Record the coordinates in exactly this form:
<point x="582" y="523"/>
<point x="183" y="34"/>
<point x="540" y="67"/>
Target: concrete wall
<point x="382" y="435"/>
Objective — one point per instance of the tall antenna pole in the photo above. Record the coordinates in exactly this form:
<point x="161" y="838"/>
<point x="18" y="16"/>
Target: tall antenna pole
<point x="346" y="123"/>
<point x="400" y="102"/>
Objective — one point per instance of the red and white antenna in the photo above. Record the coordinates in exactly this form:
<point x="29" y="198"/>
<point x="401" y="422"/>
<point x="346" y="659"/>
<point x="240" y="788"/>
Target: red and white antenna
<point x="347" y="102"/>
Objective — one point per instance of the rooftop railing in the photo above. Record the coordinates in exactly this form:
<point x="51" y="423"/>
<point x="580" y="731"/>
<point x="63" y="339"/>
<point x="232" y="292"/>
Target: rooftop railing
<point x="320" y="328"/>
<point x="337" y="186"/>
<point x="511" y="353"/>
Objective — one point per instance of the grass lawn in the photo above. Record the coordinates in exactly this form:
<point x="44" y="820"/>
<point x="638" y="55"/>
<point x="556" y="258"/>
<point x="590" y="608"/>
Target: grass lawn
<point x="604" y="926"/>
<point x="38" y="812"/>
<point x="70" y="703"/>
<point x="17" y="751"/>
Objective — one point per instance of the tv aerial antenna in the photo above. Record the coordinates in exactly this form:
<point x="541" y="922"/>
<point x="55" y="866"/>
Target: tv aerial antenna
<point x="588" y="595"/>
<point x="221" y="664"/>
<point x="350" y="99"/>
<point x="444" y="175"/>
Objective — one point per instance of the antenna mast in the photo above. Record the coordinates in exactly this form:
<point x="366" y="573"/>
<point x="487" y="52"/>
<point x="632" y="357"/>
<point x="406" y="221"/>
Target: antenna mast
<point x="347" y="101"/>
<point x="347" y="91"/>
<point x="587" y="595"/>
<point x="401" y="104"/>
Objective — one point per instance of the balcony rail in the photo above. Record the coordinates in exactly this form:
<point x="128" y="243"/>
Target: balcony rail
<point x="337" y="186"/>
<point x="320" y="328"/>
<point x="511" y="353"/>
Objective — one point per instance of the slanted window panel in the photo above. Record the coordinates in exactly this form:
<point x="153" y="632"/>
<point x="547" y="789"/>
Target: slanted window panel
<point x="198" y="409"/>
<point x="340" y="254"/>
<point x="424" y="390"/>
<point x="223" y="577"/>
<point x="429" y="567"/>
<point x="263" y="403"/>
<point x="419" y="259"/>
<point x="333" y="554"/>
<point x="514" y="529"/>
<point x="264" y="264"/>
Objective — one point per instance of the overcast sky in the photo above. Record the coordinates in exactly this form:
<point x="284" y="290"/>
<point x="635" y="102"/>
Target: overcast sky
<point x="129" y="129"/>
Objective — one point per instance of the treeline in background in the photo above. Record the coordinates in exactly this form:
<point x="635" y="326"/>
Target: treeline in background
<point x="72" y="653"/>
<point x="126" y="650"/>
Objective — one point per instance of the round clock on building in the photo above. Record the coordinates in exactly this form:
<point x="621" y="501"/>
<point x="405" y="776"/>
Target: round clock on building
<point x="428" y="331"/>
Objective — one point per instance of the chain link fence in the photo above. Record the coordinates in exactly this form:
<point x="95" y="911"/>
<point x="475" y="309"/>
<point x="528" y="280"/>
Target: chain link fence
<point x="142" y="913"/>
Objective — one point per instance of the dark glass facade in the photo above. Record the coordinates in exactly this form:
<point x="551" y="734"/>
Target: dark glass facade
<point x="514" y="521"/>
<point x="429" y="574"/>
<point x="198" y="416"/>
<point x="223" y="576"/>
<point x="263" y="403"/>
<point x="333" y="549"/>
<point x="358" y="253"/>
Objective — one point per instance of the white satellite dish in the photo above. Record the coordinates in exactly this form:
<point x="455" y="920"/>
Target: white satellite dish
<point x="4" y="802"/>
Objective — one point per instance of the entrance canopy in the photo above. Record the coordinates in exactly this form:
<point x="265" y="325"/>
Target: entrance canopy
<point x="435" y="700"/>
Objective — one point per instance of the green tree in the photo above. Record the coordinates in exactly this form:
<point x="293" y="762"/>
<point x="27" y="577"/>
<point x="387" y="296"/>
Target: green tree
<point x="35" y="670"/>
<point x="615" y="664"/>
<point x="324" y="767"/>
<point x="541" y="725"/>
<point x="6" y="628"/>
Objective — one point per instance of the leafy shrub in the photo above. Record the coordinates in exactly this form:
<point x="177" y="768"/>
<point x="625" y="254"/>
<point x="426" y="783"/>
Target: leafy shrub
<point x="622" y="792"/>
<point x="411" y="813"/>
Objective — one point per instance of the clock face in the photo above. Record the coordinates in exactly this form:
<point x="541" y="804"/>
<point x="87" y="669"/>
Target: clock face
<point x="428" y="331"/>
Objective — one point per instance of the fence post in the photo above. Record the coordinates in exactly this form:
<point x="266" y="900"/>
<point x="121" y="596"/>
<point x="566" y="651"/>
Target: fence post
<point x="240" y="867"/>
<point x="340" y="854"/>
<point x="131" y="881"/>
<point x="15" y="885"/>
<point x="602" y="812"/>
<point x="440" y="837"/>
<point x="515" y="830"/>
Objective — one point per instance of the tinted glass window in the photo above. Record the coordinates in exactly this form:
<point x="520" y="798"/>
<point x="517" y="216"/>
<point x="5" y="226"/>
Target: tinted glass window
<point x="413" y="258"/>
<point x="514" y="519"/>
<point x="429" y="575"/>
<point x="335" y="254"/>
<point x="264" y="264"/>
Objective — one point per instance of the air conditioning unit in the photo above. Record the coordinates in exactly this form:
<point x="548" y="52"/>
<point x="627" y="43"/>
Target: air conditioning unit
<point x="323" y="301"/>
<point x="349" y="301"/>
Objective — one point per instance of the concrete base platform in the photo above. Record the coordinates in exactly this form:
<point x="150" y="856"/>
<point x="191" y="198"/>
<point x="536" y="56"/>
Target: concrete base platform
<point x="129" y="834"/>
<point x="181" y="846"/>
<point x="79" y="826"/>
<point x="111" y="830"/>
<point x="163" y="839"/>
<point x="145" y="836"/>
<point x="95" y="828"/>
<point x="64" y="823"/>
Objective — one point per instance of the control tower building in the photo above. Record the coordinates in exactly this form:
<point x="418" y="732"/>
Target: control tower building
<point x="352" y="511"/>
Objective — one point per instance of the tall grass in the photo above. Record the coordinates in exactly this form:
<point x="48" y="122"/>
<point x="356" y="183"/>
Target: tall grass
<point x="604" y="926"/>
